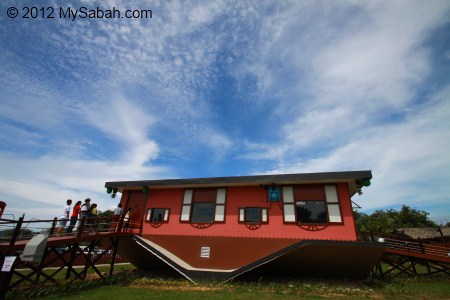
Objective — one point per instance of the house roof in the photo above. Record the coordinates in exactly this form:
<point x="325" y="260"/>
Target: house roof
<point x="353" y="178"/>
<point x="424" y="233"/>
<point x="341" y="259"/>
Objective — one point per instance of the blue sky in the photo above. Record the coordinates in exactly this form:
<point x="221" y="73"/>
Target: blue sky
<point x="226" y="88"/>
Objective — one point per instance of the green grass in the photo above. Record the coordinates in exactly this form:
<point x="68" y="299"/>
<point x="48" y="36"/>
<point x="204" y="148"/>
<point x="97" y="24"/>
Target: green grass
<point x="129" y="283"/>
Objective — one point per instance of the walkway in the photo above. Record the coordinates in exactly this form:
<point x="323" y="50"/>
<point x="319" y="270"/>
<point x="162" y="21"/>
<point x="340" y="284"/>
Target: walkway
<point x="413" y="257"/>
<point x="90" y="242"/>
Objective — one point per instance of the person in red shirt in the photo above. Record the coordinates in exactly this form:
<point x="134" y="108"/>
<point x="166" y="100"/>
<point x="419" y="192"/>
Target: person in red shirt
<point x="74" y="217"/>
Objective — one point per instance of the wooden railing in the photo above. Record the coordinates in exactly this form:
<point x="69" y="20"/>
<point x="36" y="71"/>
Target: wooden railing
<point x="12" y="231"/>
<point x="64" y="248"/>
<point x="418" y="248"/>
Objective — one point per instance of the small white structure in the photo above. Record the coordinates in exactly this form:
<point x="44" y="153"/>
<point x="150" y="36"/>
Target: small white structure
<point x="35" y="248"/>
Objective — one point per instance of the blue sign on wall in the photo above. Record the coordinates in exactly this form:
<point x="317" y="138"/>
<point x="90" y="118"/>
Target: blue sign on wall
<point x="274" y="193"/>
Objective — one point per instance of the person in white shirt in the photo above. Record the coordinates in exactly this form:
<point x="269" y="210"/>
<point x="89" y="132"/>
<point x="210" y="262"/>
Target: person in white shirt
<point x="64" y="216"/>
<point x="127" y="219"/>
<point x="118" y="211"/>
<point x="116" y="217"/>
<point x="85" y="208"/>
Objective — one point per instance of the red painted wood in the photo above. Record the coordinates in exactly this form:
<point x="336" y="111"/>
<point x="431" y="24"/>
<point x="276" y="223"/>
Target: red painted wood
<point x="251" y="196"/>
<point x="205" y="195"/>
<point x="309" y="192"/>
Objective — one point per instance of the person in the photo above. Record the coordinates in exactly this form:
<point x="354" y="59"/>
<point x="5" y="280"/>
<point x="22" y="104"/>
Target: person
<point x="64" y="217"/>
<point x="74" y="217"/>
<point x="85" y="208"/>
<point x="92" y="216"/>
<point x="116" y="217"/>
<point x="118" y="211"/>
<point x="126" y="219"/>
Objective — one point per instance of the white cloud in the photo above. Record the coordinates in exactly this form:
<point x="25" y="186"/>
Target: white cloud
<point x="351" y="100"/>
<point x="365" y="73"/>
<point x="119" y="118"/>
<point x="52" y="179"/>
<point x="326" y="86"/>
<point x="408" y="159"/>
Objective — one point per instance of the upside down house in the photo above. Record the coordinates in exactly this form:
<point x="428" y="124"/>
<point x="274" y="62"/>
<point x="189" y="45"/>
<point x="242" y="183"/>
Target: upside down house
<point x="219" y="228"/>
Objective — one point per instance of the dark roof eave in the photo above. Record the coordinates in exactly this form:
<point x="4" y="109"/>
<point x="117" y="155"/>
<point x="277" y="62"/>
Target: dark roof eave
<point x="347" y="176"/>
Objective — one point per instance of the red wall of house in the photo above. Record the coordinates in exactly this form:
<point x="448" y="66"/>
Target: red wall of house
<point x="239" y="197"/>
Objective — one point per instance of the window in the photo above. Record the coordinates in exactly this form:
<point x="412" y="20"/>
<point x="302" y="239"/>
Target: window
<point x="253" y="215"/>
<point x="203" y="205"/>
<point x="202" y="212"/>
<point x="157" y="215"/>
<point x="311" y="204"/>
<point x="311" y="212"/>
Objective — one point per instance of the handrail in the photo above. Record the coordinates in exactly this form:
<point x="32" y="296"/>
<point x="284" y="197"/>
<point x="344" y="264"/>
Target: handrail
<point x="19" y="230"/>
<point x="410" y="245"/>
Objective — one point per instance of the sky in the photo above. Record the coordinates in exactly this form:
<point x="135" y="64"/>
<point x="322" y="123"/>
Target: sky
<point x="224" y="88"/>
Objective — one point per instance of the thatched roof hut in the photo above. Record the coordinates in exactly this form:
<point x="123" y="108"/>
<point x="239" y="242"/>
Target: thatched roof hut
<point x="423" y="233"/>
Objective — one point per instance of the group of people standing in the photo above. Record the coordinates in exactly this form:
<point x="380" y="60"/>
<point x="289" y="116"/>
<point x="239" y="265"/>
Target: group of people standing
<point x="89" y="212"/>
<point x="80" y="210"/>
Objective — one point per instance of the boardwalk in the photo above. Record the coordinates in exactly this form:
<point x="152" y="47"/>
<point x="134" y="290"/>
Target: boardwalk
<point x="91" y="243"/>
<point x="406" y="255"/>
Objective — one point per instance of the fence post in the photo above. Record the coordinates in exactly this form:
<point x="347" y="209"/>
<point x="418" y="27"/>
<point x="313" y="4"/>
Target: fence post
<point x="5" y="277"/>
<point x="119" y="227"/>
<point x="80" y="227"/>
<point x="114" y="254"/>
<point x="371" y="236"/>
<point x="52" y="229"/>
<point x="16" y="232"/>
<point x="142" y="226"/>
<point x="422" y="249"/>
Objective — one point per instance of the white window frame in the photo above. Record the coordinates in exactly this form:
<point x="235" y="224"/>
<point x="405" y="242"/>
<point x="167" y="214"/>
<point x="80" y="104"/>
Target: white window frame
<point x="332" y="204"/>
<point x="333" y="207"/>
<point x="289" y="205"/>
<point x="219" y="210"/>
<point x="264" y="215"/>
<point x="148" y="216"/>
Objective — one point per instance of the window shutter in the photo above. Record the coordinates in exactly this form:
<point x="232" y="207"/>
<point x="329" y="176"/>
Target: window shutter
<point x="334" y="213"/>
<point x="220" y="205"/>
<point x="187" y="197"/>
<point x="288" y="204"/>
<point x="331" y="194"/>
<point x="221" y="196"/>
<point x="186" y="210"/>
<point x="241" y="215"/>
<point x="264" y="215"/>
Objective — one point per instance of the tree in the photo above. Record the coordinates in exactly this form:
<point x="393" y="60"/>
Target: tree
<point x="378" y="222"/>
<point x="385" y="221"/>
<point x="8" y="233"/>
<point x="413" y="218"/>
<point x="104" y="219"/>
<point x="106" y="213"/>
